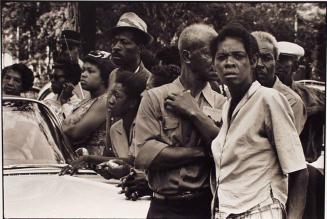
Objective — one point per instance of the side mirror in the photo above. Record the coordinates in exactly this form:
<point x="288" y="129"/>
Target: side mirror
<point x="81" y="152"/>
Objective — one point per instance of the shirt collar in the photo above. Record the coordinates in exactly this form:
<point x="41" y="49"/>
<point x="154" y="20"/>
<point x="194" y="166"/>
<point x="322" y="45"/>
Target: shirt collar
<point x="277" y="82"/>
<point x="207" y="91"/>
<point x="253" y="88"/>
<point x="139" y="68"/>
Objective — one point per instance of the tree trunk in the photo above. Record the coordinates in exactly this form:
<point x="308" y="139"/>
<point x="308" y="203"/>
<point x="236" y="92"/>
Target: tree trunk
<point x="87" y="25"/>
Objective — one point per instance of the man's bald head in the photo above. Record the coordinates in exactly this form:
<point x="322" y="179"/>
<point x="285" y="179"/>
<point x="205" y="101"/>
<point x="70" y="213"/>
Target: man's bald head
<point x="196" y="36"/>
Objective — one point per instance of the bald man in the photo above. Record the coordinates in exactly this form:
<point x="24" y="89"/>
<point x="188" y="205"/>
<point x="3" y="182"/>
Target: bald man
<point x="174" y="128"/>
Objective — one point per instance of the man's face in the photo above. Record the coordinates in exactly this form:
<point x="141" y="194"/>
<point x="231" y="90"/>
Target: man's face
<point x="57" y="81"/>
<point x="285" y="68"/>
<point x="265" y="69"/>
<point x="201" y="63"/>
<point x="117" y="101"/>
<point x="91" y="77"/>
<point x="124" y="49"/>
<point x="12" y="83"/>
<point x="232" y="62"/>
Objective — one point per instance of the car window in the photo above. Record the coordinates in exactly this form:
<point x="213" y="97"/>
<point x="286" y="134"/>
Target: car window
<point x="27" y="138"/>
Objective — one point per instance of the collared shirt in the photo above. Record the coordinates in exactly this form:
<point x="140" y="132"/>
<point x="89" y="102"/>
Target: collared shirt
<point x="120" y="140"/>
<point x="140" y="70"/>
<point x="295" y="102"/>
<point x="62" y="110"/>
<point x="156" y="128"/>
<point x="255" y="150"/>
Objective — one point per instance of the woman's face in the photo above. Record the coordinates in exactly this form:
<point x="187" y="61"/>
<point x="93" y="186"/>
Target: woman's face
<point x="91" y="77"/>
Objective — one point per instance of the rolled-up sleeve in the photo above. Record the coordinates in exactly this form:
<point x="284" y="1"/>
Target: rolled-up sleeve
<point x="280" y="121"/>
<point x="147" y="133"/>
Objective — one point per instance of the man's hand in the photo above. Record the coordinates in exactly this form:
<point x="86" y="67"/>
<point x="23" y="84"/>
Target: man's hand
<point x="74" y="166"/>
<point x="66" y="93"/>
<point x="182" y="103"/>
<point x="114" y="168"/>
<point x="135" y="185"/>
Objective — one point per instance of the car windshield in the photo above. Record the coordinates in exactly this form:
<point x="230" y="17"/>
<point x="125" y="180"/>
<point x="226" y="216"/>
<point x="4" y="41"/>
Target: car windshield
<point x="27" y="136"/>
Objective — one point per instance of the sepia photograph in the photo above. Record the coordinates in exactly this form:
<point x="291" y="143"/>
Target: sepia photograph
<point x="164" y="110"/>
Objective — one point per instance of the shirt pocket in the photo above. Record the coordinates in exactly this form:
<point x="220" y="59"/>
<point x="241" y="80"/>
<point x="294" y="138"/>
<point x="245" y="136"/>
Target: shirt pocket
<point x="170" y="130"/>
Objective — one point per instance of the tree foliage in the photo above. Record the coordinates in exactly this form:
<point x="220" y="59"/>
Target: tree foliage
<point x="40" y="24"/>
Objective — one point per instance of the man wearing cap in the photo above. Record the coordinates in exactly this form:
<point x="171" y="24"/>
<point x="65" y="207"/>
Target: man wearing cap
<point x="174" y="128"/>
<point x="69" y="42"/>
<point x="66" y="75"/>
<point x="265" y="74"/>
<point x="312" y="134"/>
<point x="314" y="100"/>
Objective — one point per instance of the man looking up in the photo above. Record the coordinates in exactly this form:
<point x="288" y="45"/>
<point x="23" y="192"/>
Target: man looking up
<point x="259" y="159"/>
<point x="265" y="74"/>
<point x="173" y="132"/>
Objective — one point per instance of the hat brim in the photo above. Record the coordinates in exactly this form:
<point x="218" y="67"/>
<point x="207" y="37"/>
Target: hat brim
<point x="146" y="38"/>
<point x="70" y="41"/>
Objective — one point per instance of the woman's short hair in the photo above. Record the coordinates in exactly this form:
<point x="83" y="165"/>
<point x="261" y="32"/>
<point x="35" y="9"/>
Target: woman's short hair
<point x="236" y="30"/>
<point x="134" y="84"/>
<point x="102" y="60"/>
<point x="25" y="73"/>
<point x="72" y="70"/>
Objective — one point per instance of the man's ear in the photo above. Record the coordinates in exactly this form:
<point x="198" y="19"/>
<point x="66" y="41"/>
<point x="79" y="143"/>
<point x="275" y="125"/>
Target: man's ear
<point x="186" y="56"/>
<point x="132" y="103"/>
<point x="254" y="62"/>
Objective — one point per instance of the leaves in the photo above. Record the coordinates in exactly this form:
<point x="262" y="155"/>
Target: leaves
<point x="40" y="24"/>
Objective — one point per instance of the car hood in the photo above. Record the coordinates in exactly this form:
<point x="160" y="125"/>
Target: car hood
<point x="54" y="196"/>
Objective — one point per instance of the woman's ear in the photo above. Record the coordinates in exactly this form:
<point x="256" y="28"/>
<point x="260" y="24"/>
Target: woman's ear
<point x="186" y="56"/>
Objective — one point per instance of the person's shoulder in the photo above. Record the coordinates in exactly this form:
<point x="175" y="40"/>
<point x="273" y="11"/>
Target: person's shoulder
<point x="117" y="125"/>
<point x="291" y="96"/>
<point x="163" y="90"/>
<point x="219" y="99"/>
<point x="266" y="93"/>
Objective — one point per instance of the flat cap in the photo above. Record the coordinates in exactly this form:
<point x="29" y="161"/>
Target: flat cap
<point x="290" y="49"/>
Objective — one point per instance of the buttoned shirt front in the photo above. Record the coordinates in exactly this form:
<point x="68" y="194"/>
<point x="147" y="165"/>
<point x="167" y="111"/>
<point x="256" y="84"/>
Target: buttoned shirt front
<point x="157" y="128"/>
<point x="255" y="150"/>
<point x="295" y="102"/>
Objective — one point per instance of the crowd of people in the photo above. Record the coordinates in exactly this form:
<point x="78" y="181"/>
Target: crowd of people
<point x="217" y="128"/>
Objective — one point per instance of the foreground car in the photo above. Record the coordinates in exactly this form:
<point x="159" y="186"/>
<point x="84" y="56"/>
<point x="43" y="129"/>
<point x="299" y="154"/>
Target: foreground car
<point x="34" y="151"/>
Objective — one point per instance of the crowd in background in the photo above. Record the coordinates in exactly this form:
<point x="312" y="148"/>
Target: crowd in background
<point x="217" y="105"/>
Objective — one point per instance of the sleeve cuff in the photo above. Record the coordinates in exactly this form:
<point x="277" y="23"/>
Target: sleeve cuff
<point x="147" y="153"/>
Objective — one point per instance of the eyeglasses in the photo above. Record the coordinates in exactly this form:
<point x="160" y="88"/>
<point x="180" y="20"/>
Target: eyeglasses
<point x="99" y="54"/>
